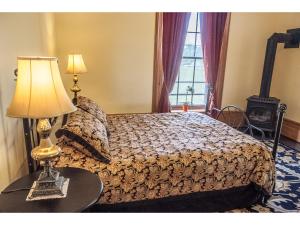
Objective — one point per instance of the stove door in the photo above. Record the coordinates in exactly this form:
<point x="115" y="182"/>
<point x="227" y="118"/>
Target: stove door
<point x="262" y="115"/>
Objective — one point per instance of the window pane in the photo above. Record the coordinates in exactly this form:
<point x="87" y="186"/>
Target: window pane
<point x="199" y="52"/>
<point x="191" y="71"/>
<point x="198" y="100"/>
<point x="186" y="70"/>
<point x="172" y="99"/>
<point x="189" y="45"/>
<point x="192" y="23"/>
<point x="174" y="91"/>
<point x="183" y="98"/>
<point x="199" y="88"/>
<point x="199" y="71"/>
<point x="183" y="87"/>
<point x="189" y="99"/>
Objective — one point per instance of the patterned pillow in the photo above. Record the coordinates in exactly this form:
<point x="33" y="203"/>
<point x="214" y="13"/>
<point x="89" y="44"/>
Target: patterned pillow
<point x="93" y="108"/>
<point x="64" y="141"/>
<point x="88" y="132"/>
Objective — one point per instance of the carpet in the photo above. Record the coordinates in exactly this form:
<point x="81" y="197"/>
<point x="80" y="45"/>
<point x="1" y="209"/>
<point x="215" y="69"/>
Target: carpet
<point x="286" y="196"/>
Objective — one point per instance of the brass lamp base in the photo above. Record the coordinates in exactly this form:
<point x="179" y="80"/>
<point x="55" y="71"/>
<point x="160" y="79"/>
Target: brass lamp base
<point x="43" y="153"/>
<point x="49" y="181"/>
<point x="75" y="89"/>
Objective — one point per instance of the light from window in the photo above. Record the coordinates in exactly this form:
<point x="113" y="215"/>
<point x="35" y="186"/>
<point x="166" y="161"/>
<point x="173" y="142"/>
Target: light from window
<point x="190" y="83"/>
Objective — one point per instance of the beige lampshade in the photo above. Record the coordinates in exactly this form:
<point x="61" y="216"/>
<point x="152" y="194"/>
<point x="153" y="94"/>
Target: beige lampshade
<point x="76" y="64"/>
<point x="39" y="92"/>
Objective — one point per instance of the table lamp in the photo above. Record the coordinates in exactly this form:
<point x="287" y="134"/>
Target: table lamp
<point x="40" y="94"/>
<point x="75" y="67"/>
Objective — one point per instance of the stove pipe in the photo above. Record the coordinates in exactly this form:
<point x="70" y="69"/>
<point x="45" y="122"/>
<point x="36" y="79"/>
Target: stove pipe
<point x="270" y="59"/>
<point x="291" y="40"/>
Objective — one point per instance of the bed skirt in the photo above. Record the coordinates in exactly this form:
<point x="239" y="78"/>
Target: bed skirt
<point x="211" y="201"/>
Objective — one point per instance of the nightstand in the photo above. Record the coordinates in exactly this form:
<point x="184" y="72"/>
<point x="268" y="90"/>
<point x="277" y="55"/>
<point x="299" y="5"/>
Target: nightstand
<point x="84" y="190"/>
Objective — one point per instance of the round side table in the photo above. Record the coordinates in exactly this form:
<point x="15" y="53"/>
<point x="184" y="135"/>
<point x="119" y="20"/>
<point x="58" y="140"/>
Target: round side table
<point x="84" y="190"/>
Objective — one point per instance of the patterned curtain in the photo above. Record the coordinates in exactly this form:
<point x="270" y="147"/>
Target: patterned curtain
<point x="174" y="28"/>
<point x="214" y="37"/>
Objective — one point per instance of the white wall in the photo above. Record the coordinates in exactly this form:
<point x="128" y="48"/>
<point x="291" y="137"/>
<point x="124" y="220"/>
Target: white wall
<point x="245" y="57"/>
<point x="20" y="34"/>
<point x="118" y="51"/>
<point x="286" y="76"/>
<point x="248" y="36"/>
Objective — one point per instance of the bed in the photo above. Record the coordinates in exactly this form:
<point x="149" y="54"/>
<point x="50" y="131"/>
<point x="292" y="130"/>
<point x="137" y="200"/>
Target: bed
<point x="176" y="162"/>
<point x="186" y="162"/>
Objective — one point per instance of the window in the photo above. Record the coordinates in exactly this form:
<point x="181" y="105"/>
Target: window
<point x="190" y="84"/>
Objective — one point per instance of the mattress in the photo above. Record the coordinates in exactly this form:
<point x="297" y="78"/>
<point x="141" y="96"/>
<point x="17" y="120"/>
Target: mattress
<point x="161" y="155"/>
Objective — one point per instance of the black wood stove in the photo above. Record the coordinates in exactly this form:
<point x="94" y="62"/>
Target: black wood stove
<point x="262" y="112"/>
<point x="262" y="109"/>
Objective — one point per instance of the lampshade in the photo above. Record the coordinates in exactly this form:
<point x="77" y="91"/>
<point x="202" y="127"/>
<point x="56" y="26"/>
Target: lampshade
<point x="76" y="65"/>
<point x="39" y="90"/>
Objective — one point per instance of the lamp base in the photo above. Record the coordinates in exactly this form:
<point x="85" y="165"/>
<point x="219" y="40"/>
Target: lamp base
<point x="43" y="196"/>
<point x="48" y="184"/>
<point x="75" y="89"/>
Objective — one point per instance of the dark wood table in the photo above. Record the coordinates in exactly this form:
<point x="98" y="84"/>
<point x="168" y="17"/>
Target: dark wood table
<point x="84" y="191"/>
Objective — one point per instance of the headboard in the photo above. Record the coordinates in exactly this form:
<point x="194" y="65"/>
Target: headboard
<point x="31" y="140"/>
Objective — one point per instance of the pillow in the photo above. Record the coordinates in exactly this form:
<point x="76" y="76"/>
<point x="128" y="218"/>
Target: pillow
<point x="93" y="108"/>
<point x="88" y="132"/>
<point x="65" y="141"/>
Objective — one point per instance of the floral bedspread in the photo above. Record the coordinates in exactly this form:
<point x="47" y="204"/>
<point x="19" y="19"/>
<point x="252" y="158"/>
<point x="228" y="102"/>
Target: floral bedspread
<point x="160" y="155"/>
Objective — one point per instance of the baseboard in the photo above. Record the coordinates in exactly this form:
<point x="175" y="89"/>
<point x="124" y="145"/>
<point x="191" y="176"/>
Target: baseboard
<point x="291" y="129"/>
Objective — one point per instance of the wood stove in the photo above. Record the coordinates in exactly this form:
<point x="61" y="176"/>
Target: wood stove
<point x="262" y="110"/>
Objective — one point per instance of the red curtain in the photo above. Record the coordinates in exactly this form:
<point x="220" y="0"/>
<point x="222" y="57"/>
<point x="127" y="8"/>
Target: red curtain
<point x="174" y="26"/>
<point x="214" y="36"/>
